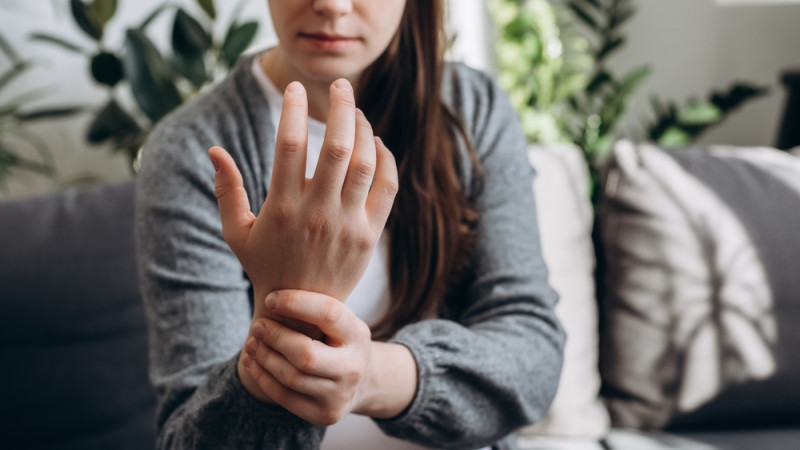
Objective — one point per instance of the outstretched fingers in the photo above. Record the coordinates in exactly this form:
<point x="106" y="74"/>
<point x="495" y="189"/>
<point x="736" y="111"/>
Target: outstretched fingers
<point x="234" y="207"/>
<point x="361" y="171"/>
<point x="384" y="188"/>
<point x="289" y="168"/>
<point x="340" y="133"/>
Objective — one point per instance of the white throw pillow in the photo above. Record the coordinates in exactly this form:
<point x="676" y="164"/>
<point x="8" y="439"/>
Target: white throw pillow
<point x="561" y="188"/>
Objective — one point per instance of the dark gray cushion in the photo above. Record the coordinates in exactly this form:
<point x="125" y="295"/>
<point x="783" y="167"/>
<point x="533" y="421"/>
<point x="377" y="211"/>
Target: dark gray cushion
<point x="702" y="295"/>
<point x="72" y="329"/>
<point x="763" y="439"/>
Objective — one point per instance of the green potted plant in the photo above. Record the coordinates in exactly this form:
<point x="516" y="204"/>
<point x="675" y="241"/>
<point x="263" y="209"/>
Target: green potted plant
<point x="158" y="81"/>
<point x="553" y="61"/>
<point x="17" y="144"/>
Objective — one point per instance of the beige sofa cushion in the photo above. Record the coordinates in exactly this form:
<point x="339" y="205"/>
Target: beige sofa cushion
<point x="561" y="188"/>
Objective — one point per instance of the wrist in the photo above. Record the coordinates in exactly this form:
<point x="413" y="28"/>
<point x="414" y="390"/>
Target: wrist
<point x="391" y="381"/>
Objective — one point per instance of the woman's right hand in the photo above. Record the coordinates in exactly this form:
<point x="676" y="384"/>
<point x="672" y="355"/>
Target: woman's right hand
<point x="313" y="234"/>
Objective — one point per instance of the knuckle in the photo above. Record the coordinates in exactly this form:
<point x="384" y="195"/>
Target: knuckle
<point x="364" y="170"/>
<point x="391" y="188"/>
<point x="361" y="241"/>
<point x="273" y="336"/>
<point x="318" y="224"/>
<point x="352" y="376"/>
<point x="280" y="395"/>
<point x="347" y="100"/>
<point x="333" y="311"/>
<point x="337" y="150"/>
<point x="363" y="332"/>
<point x="282" y="212"/>
<point x="294" y="381"/>
<point x="308" y="360"/>
<point x="292" y="142"/>
<point x="330" y="415"/>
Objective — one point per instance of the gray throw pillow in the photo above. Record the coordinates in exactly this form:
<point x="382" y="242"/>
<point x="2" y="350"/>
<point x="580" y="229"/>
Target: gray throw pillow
<point x="702" y="293"/>
<point x="72" y="330"/>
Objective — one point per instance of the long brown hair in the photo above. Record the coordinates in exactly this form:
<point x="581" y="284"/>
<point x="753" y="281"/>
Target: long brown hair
<point x="432" y="224"/>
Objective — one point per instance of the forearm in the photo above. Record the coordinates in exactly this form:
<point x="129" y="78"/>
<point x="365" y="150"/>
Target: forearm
<point x="392" y="383"/>
<point x="220" y="414"/>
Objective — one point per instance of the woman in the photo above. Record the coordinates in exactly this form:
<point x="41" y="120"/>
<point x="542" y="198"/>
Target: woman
<point x="271" y="323"/>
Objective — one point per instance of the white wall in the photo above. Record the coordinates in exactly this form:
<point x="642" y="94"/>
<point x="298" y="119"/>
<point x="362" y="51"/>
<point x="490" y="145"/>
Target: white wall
<point x="696" y="45"/>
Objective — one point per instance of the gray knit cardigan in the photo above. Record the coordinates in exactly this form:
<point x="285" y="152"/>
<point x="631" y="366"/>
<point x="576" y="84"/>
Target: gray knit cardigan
<point x="488" y="364"/>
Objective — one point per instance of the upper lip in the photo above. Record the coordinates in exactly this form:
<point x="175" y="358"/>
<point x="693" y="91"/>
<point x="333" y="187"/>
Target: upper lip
<point x="327" y="36"/>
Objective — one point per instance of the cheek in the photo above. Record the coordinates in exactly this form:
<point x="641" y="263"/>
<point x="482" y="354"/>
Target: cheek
<point x="386" y="28"/>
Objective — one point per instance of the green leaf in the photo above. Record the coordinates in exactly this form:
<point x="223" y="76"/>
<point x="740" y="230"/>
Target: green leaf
<point x="189" y="39"/>
<point x="193" y="69"/>
<point x="103" y="10"/>
<point x="704" y="113"/>
<point x="86" y="19"/>
<point x="620" y="18"/>
<point x="631" y="82"/>
<point x="150" y="76"/>
<point x="602" y="78"/>
<point x="595" y="3"/>
<point x="583" y="15"/>
<point x="153" y="15"/>
<point x="55" y="113"/>
<point x="736" y="95"/>
<point x="609" y="47"/>
<point x="674" y="137"/>
<point x="107" y="69"/>
<point x="111" y="122"/>
<point x="43" y="37"/>
<point x="208" y="7"/>
<point x="237" y="40"/>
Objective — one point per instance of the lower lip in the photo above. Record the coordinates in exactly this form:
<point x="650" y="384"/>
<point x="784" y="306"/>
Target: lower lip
<point x="329" y="44"/>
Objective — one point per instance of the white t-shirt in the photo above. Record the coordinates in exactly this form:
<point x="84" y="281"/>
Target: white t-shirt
<point x="368" y="301"/>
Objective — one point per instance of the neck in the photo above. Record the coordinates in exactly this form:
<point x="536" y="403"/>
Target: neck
<point x="281" y="73"/>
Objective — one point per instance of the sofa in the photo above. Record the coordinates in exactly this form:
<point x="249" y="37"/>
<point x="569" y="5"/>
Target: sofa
<point x="633" y="276"/>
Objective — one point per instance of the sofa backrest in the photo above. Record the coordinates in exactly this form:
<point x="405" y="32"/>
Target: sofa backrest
<point x="73" y="342"/>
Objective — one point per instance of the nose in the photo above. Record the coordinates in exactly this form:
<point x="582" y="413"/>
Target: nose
<point x="333" y="8"/>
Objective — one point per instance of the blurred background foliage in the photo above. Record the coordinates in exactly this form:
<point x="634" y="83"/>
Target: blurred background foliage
<point x="158" y="80"/>
<point x="16" y="142"/>
<point x="553" y="61"/>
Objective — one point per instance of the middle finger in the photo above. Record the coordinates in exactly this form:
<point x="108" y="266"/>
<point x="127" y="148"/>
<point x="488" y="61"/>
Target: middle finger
<point x="340" y="133"/>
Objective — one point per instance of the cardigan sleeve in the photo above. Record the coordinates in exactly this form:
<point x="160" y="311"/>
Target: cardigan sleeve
<point x="495" y="367"/>
<point x="198" y="306"/>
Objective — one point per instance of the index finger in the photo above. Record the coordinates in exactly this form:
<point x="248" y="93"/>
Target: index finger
<point x="289" y="167"/>
<point x="331" y="316"/>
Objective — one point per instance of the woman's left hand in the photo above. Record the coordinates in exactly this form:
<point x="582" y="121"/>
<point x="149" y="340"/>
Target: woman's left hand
<point x="319" y="381"/>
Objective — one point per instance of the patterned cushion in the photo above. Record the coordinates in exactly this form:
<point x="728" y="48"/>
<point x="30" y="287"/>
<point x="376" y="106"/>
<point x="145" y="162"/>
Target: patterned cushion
<point x="702" y="298"/>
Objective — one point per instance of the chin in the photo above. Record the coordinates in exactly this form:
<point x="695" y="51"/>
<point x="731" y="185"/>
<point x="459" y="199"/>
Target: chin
<point x="329" y="71"/>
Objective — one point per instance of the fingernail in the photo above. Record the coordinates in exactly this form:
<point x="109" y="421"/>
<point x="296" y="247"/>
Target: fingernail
<point x="342" y="84"/>
<point x="379" y="141"/>
<point x="295" y="87"/>
<point x="248" y="362"/>
<point x="250" y="347"/>
<point x="215" y="163"/>
<point x="258" y="331"/>
<point x="271" y="301"/>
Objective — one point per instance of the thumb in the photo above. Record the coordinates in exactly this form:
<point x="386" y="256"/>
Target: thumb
<point x="234" y="207"/>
